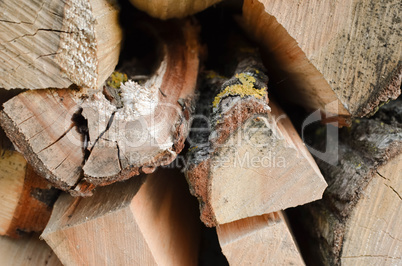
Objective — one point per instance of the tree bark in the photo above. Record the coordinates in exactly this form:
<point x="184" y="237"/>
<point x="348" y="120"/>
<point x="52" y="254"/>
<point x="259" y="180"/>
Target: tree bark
<point x="26" y="198"/>
<point x="246" y="159"/>
<point x="55" y="44"/>
<point x="320" y="52"/>
<point x="78" y="141"/>
<point x="357" y="222"/>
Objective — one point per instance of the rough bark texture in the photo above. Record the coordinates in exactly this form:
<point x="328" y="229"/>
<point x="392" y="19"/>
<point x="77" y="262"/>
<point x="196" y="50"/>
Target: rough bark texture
<point x="233" y="143"/>
<point x="78" y="141"/>
<point x="52" y="44"/>
<point x="357" y="221"/>
<point x="320" y="51"/>
<point x="26" y="198"/>
<point x="34" y="206"/>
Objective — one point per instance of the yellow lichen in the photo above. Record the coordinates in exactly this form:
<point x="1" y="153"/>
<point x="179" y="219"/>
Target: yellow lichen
<point x="193" y="148"/>
<point x="116" y="79"/>
<point x="246" y="88"/>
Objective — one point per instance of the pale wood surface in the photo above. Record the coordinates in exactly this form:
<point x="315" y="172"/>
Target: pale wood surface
<point x="77" y="141"/>
<point x="40" y="124"/>
<point x="358" y="220"/>
<point x="56" y="43"/>
<point x="248" y="159"/>
<point x="266" y="173"/>
<point x="259" y="240"/>
<point x="12" y="174"/>
<point x="324" y="50"/>
<point x="25" y="197"/>
<point x="26" y="251"/>
<point x="376" y="221"/>
<point x="149" y="220"/>
<point x="165" y="9"/>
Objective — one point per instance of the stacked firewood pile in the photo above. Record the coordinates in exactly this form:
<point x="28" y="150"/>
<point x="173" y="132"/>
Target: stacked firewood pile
<point x="118" y="116"/>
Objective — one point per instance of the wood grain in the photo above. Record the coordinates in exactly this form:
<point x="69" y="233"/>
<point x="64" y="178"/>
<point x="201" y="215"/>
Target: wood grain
<point x="357" y="222"/>
<point x="324" y="51"/>
<point x="26" y="251"/>
<point x="26" y="199"/>
<point x="55" y="44"/>
<point x="79" y="139"/>
<point x="246" y="159"/>
<point x="150" y="220"/>
<point x="259" y="240"/>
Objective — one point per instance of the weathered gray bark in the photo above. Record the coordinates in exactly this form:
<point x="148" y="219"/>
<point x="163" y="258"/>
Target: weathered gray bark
<point x="366" y="147"/>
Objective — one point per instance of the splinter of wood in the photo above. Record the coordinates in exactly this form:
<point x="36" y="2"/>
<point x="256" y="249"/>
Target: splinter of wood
<point x="246" y="158"/>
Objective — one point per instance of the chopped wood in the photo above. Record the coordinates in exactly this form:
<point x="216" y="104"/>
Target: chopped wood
<point x="150" y="220"/>
<point x="259" y="240"/>
<point x="53" y="45"/>
<point x="358" y="220"/>
<point x="246" y="159"/>
<point x="165" y="9"/>
<point x="78" y="142"/>
<point x="26" y="198"/>
<point x="322" y="51"/>
<point x="26" y="251"/>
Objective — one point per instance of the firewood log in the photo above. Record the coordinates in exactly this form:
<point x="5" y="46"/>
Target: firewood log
<point x="26" y="199"/>
<point x="259" y="240"/>
<point x="26" y="251"/>
<point x="150" y="220"/>
<point x="358" y="221"/>
<point x="55" y="44"/>
<point x="78" y="141"/>
<point x="321" y="51"/>
<point x="246" y="159"/>
<point x="165" y="9"/>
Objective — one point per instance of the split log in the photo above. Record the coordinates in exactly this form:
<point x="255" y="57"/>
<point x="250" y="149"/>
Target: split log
<point x="165" y="9"/>
<point x="26" y="251"/>
<point x="246" y="157"/>
<point x="324" y="51"/>
<point x="259" y="240"/>
<point x="358" y="220"/>
<point x="150" y="220"/>
<point x="78" y="141"/>
<point x="26" y="199"/>
<point x="54" y="44"/>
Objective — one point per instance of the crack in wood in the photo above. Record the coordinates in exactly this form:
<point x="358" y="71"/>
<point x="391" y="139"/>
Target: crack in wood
<point x="58" y="139"/>
<point x="104" y="131"/>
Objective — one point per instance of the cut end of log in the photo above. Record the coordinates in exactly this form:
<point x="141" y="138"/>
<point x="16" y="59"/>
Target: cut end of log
<point x="165" y="9"/>
<point x="310" y="61"/>
<point x="390" y="92"/>
<point x="76" y="41"/>
<point x="250" y="160"/>
<point x="71" y="138"/>
<point x="363" y="198"/>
